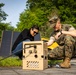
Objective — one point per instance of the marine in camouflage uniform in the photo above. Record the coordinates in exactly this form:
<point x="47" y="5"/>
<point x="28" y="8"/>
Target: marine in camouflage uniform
<point x="66" y="45"/>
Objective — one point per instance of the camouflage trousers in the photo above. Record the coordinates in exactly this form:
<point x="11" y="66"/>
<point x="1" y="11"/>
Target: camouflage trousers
<point x="65" y="50"/>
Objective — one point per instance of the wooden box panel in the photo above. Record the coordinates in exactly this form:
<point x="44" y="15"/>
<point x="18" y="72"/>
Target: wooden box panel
<point x="35" y="55"/>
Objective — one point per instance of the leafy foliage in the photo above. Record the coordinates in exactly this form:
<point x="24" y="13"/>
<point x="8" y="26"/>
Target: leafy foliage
<point x="2" y="13"/>
<point x="4" y="26"/>
<point x="66" y="9"/>
<point x="39" y="11"/>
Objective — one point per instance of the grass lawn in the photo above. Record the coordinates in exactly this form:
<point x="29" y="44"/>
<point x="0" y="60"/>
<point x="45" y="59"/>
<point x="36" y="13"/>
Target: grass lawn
<point x="11" y="61"/>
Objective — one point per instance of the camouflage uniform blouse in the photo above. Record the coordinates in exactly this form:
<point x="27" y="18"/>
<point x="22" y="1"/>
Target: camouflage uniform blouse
<point x="65" y="27"/>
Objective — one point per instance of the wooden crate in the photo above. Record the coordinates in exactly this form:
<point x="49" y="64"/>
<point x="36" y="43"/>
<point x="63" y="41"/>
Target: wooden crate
<point x="35" y="55"/>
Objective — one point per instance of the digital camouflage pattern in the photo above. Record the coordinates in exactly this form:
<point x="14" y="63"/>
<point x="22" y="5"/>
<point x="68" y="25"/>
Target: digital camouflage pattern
<point x="66" y="44"/>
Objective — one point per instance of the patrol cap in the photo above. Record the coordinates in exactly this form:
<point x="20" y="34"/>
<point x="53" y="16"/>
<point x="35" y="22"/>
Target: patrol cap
<point x="53" y="19"/>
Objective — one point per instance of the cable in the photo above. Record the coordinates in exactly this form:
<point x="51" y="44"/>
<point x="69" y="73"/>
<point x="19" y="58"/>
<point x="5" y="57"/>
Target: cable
<point x="16" y="52"/>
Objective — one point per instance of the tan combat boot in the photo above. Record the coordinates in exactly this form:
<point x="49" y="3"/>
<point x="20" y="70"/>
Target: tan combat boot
<point x="66" y="63"/>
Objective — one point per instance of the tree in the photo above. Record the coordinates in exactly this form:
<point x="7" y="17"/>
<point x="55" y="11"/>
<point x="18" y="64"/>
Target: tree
<point x="34" y="14"/>
<point x="66" y="10"/>
<point x="4" y="26"/>
<point x="3" y="15"/>
<point x="39" y="11"/>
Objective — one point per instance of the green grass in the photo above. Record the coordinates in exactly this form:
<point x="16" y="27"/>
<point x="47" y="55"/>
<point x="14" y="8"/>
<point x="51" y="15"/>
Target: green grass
<point x="11" y="61"/>
<point x="54" y="61"/>
<point x="16" y="62"/>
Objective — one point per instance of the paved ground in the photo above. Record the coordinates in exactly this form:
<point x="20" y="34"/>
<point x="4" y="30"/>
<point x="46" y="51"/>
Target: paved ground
<point x="49" y="71"/>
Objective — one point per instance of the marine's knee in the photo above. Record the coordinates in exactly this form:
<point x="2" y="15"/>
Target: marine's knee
<point x="68" y="37"/>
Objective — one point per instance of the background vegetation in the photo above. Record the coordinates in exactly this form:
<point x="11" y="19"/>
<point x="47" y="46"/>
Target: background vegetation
<point x="38" y="12"/>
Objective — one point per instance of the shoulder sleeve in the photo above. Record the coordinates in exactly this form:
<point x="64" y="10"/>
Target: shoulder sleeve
<point x="71" y="28"/>
<point x="20" y="38"/>
<point x="68" y="27"/>
<point x="24" y="33"/>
